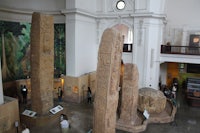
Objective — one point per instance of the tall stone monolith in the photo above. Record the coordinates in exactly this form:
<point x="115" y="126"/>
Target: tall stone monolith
<point x="108" y="75"/>
<point x="129" y="95"/>
<point x="42" y="62"/>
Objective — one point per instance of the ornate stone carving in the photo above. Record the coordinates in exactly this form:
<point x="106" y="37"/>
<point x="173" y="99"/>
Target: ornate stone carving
<point x="108" y="74"/>
<point x="129" y="94"/>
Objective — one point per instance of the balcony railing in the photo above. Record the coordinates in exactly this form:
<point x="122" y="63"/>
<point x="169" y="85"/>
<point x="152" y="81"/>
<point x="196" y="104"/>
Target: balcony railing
<point x="186" y="50"/>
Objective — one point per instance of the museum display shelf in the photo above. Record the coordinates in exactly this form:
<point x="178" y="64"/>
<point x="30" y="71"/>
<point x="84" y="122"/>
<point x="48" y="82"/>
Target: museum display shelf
<point x="193" y="91"/>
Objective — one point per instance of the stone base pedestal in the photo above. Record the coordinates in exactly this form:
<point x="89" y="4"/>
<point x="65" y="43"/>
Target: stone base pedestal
<point x="166" y="116"/>
<point x="40" y="120"/>
<point x="151" y="100"/>
<point x="9" y="114"/>
<point x="137" y="126"/>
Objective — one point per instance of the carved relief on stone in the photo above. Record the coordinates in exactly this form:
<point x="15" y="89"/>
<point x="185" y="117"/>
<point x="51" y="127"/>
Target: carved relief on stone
<point x="105" y="59"/>
<point x="108" y="73"/>
<point x="47" y="30"/>
<point x="129" y="94"/>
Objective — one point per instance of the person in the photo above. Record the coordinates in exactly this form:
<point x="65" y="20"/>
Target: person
<point x="174" y="89"/>
<point x="60" y="93"/>
<point x="64" y="123"/>
<point x="89" y="95"/>
<point x="25" y="129"/>
<point x="24" y="92"/>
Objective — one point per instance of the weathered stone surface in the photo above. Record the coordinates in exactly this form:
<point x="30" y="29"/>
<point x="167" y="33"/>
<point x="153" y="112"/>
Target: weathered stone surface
<point x="76" y="88"/>
<point x="9" y="114"/>
<point x="152" y="100"/>
<point x="129" y="94"/>
<point x="42" y="62"/>
<point x="108" y="74"/>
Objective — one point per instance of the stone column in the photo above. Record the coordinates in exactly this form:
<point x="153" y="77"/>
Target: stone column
<point x="129" y="95"/>
<point x="1" y="87"/>
<point x="42" y="62"/>
<point x="108" y="74"/>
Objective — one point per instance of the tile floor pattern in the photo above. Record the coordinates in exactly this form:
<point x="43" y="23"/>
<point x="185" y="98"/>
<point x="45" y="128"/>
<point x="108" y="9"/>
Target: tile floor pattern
<point x="187" y="120"/>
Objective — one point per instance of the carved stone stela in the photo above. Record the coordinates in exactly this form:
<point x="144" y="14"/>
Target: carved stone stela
<point x="129" y="95"/>
<point x="108" y="74"/>
<point x="42" y="62"/>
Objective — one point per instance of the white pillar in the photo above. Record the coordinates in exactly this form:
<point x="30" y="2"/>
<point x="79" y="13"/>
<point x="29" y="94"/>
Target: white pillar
<point x="1" y="87"/>
<point x="81" y="54"/>
<point x="148" y="38"/>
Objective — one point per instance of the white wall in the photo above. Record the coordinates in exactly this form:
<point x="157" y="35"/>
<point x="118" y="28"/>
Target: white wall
<point x="183" y="12"/>
<point x="141" y="6"/>
<point x="42" y="5"/>
<point x="81" y="52"/>
<point x="182" y="20"/>
<point x="127" y="57"/>
<point x="150" y="6"/>
<point x="157" y="6"/>
<point x="86" y="53"/>
<point x="85" y="5"/>
<point x="21" y="10"/>
<point x="70" y="45"/>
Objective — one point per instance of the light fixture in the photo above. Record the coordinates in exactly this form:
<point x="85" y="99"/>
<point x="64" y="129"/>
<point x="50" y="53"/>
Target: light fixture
<point x="120" y="5"/>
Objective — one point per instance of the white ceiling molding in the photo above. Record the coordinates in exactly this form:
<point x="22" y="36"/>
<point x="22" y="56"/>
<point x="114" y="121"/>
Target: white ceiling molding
<point x="28" y="12"/>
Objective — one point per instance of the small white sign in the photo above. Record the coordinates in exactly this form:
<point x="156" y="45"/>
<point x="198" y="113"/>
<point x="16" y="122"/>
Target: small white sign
<point x="29" y="113"/>
<point x="146" y="114"/>
<point x="56" y="109"/>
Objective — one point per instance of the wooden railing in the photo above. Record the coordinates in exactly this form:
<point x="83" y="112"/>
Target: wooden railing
<point x="186" y="50"/>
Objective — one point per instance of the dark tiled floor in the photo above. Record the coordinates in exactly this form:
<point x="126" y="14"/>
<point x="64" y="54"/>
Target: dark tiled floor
<point x="187" y="120"/>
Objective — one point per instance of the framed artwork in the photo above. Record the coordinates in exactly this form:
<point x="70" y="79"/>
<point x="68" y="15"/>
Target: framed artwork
<point x="194" y="40"/>
<point x="194" y="44"/>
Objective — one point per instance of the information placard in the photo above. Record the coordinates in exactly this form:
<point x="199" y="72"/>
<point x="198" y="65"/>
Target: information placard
<point x="56" y="109"/>
<point x="29" y="113"/>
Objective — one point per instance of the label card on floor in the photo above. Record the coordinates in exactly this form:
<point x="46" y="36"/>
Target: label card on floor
<point x="146" y="114"/>
<point x="56" y="109"/>
<point x="29" y="113"/>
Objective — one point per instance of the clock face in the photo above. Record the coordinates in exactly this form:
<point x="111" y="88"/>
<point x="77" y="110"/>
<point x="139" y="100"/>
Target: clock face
<point x="120" y="5"/>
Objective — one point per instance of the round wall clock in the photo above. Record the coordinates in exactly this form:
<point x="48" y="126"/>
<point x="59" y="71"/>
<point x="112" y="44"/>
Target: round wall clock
<point x="120" y="5"/>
